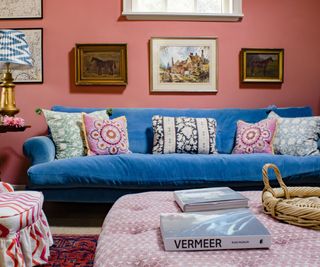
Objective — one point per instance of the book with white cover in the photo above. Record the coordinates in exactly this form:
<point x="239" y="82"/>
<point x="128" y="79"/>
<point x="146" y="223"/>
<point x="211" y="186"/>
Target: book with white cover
<point x="213" y="230"/>
<point x="213" y="198"/>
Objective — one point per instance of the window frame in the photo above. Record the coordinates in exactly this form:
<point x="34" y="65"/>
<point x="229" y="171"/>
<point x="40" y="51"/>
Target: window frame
<point x="235" y="15"/>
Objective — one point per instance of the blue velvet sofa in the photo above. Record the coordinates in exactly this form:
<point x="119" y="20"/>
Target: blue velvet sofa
<point x="105" y="178"/>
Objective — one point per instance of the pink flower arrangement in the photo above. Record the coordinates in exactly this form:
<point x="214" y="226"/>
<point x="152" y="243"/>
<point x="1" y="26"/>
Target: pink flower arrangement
<point x="13" y="121"/>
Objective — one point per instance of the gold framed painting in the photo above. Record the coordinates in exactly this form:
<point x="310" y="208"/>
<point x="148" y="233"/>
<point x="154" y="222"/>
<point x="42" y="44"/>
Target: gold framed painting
<point x="101" y="64"/>
<point x="262" y="65"/>
<point x="184" y="64"/>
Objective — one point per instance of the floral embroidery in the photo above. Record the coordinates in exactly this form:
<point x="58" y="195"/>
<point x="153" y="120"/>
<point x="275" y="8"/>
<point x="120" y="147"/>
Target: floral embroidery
<point x="255" y="138"/>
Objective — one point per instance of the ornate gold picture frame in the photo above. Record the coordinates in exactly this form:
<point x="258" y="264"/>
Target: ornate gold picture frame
<point x="101" y="64"/>
<point x="262" y="65"/>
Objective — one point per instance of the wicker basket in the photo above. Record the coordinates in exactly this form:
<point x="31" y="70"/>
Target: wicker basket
<point x="294" y="205"/>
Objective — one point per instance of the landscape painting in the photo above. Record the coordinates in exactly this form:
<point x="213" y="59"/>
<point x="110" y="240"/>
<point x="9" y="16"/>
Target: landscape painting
<point x="183" y="65"/>
<point x="101" y="64"/>
<point x="262" y="65"/>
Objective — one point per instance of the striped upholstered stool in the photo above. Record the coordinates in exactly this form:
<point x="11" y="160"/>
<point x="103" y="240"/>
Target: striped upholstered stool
<point x="25" y="236"/>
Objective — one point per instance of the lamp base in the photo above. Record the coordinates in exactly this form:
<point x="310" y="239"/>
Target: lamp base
<point x="7" y="100"/>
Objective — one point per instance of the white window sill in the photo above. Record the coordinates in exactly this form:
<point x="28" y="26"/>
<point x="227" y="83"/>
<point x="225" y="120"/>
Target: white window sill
<point x="181" y="16"/>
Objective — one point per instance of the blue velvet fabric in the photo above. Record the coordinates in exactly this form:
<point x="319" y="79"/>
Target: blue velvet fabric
<point x="140" y="122"/>
<point x="145" y="171"/>
<point x="39" y="149"/>
<point x="105" y="178"/>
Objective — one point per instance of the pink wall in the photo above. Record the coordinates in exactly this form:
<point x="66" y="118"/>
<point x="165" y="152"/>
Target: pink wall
<point x="289" y="24"/>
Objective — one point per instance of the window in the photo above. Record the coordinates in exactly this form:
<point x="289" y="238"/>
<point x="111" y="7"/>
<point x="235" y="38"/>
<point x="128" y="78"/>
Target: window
<point x="183" y="9"/>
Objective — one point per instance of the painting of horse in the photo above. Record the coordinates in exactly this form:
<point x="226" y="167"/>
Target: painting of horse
<point x="101" y="64"/>
<point x="262" y="65"/>
<point x="104" y="66"/>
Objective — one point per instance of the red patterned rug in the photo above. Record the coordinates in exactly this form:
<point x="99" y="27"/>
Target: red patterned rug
<point x="72" y="251"/>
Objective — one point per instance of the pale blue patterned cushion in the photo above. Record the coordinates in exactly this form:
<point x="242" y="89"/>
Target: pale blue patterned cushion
<point x="296" y="136"/>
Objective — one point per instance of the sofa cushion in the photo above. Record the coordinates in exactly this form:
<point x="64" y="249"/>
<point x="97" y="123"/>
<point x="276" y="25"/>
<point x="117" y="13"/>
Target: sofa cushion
<point x="255" y="137"/>
<point x="140" y="122"/>
<point x="105" y="137"/>
<point x="296" y="136"/>
<point x="66" y="132"/>
<point x="184" y="135"/>
<point x="161" y="171"/>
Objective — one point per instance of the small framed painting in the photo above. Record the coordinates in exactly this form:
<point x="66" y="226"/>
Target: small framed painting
<point x="26" y="9"/>
<point x="101" y="64"/>
<point x="183" y="64"/>
<point x="35" y="73"/>
<point x="262" y="65"/>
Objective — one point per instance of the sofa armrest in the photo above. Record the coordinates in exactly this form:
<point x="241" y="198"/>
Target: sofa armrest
<point x="39" y="149"/>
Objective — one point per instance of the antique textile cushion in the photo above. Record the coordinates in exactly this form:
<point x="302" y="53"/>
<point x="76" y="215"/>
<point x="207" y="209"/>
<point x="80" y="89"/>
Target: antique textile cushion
<point x="106" y="137"/>
<point x="184" y="135"/>
<point x="296" y="136"/>
<point x="256" y="137"/>
<point x="66" y="132"/>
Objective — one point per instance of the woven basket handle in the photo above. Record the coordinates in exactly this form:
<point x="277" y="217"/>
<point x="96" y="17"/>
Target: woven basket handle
<point x="267" y="186"/>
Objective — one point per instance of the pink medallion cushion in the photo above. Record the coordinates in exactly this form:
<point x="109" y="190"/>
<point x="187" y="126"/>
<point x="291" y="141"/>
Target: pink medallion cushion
<point x="255" y="138"/>
<point x="131" y="237"/>
<point x="105" y="136"/>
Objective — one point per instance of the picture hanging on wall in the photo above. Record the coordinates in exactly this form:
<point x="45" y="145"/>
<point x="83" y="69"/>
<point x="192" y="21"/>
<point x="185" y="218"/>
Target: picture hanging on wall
<point x="183" y="64"/>
<point x="35" y="73"/>
<point x="262" y="65"/>
<point x="15" y="9"/>
<point x="101" y="64"/>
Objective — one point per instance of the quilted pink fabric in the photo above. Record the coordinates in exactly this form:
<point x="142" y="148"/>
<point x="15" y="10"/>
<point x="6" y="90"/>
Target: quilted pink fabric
<point x="131" y="237"/>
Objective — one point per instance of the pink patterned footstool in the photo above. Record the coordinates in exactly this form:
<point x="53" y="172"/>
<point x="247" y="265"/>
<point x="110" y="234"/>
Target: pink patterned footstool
<point x="131" y="237"/>
<point x="25" y="236"/>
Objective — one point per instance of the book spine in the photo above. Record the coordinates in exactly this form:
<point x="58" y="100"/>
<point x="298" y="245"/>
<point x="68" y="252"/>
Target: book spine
<point x="210" y="207"/>
<point x="217" y="243"/>
<point x="179" y="202"/>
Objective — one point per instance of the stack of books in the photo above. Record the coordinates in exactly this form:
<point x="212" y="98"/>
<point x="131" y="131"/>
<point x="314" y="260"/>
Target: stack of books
<point x="212" y="219"/>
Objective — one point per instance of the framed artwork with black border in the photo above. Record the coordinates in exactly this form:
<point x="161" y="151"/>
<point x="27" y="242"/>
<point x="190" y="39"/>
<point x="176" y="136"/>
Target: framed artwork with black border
<point x="29" y="9"/>
<point x="34" y="74"/>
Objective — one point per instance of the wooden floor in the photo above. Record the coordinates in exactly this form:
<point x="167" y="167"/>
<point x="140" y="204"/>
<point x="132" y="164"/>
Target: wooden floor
<point x="75" y="218"/>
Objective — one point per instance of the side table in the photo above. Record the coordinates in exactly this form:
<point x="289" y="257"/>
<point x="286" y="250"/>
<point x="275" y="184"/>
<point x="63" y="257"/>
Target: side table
<point x="4" y="129"/>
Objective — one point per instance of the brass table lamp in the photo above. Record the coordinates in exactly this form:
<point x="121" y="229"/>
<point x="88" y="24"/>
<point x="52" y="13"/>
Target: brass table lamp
<point x="14" y="51"/>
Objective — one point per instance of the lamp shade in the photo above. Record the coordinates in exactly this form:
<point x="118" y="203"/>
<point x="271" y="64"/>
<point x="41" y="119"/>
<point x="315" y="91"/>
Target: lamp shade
<point x="14" y="49"/>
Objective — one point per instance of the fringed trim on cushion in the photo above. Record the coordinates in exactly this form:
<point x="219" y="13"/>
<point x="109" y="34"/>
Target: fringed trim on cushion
<point x="29" y="247"/>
